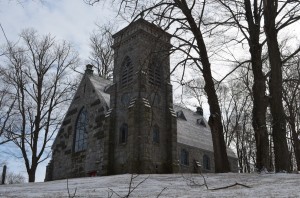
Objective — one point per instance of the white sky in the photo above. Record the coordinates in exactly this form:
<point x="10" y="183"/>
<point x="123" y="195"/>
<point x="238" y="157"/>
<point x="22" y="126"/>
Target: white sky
<point x="70" y="20"/>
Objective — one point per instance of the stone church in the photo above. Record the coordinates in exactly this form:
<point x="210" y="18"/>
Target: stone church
<point x="130" y="124"/>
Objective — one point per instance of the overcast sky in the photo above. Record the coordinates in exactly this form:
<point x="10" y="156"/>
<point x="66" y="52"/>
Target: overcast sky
<point x="70" y="20"/>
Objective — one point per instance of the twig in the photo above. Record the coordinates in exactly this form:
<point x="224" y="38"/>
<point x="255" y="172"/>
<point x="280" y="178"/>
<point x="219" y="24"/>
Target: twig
<point x="161" y="192"/>
<point x="114" y="192"/>
<point x="236" y="184"/>
<point x="205" y="183"/>
<point x="109" y="195"/>
<point x="131" y="186"/>
<point x="71" y="196"/>
<point x="204" y="180"/>
<point x="192" y="182"/>
<point x="2" y="29"/>
<point x="131" y="189"/>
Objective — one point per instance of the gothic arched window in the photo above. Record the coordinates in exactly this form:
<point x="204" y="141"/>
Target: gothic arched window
<point x="155" y="135"/>
<point x="154" y="73"/>
<point x="81" y="131"/>
<point x="184" y="157"/>
<point x="126" y="72"/>
<point x="206" y="162"/>
<point x="123" y="133"/>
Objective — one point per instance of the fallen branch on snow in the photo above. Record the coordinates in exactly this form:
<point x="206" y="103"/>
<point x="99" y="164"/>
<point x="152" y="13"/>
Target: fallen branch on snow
<point x="236" y="184"/>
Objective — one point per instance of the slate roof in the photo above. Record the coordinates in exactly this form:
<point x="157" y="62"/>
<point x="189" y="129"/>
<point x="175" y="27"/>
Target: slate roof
<point x="192" y="134"/>
<point x="101" y="85"/>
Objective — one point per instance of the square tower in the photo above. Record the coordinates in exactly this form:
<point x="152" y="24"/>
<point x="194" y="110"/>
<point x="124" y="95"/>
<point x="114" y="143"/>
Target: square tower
<point x="141" y="125"/>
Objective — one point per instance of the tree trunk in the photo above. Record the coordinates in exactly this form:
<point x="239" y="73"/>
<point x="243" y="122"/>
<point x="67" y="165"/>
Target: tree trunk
<point x="3" y="175"/>
<point x="258" y="89"/>
<point x="220" y="153"/>
<point x="296" y="144"/>
<point x="31" y="174"/>
<point x="275" y="85"/>
<point x="259" y="108"/>
<point x="215" y="120"/>
<point x="239" y="153"/>
<point x="296" y="141"/>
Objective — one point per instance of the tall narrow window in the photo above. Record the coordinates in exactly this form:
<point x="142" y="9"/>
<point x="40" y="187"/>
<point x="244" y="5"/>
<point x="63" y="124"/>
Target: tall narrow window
<point x="184" y="157"/>
<point x="126" y="72"/>
<point x="154" y="74"/>
<point x="123" y="133"/>
<point x="206" y="162"/>
<point x="155" y="134"/>
<point x="81" y="131"/>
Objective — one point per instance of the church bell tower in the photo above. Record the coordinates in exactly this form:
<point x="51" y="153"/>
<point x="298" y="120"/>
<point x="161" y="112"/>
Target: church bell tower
<point x="141" y="124"/>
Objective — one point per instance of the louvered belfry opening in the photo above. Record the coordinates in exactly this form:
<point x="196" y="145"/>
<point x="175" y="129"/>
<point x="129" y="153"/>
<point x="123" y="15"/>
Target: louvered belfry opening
<point x="154" y="72"/>
<point x="127" y="72"/>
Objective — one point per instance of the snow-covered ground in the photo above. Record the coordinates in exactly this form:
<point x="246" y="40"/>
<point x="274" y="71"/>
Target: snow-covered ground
<point x="173" y="185"/>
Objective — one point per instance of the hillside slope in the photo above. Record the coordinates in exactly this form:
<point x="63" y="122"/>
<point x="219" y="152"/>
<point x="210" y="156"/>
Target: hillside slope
<point x="173" y="185"/>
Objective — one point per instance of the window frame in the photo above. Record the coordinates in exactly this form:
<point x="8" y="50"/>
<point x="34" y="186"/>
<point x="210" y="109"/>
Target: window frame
<point x="126" y="72"/>
<point x="206" y="162"/>
<point x="154" y="73"/>
<point x="123" y="133"/>
<point x="80" y="137"/>
<point x="155" y="134"/>
<point x="184" y="157"/>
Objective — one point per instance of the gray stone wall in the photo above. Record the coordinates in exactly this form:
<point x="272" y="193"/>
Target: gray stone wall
<point x="66" y="163"/>
<point x="196" y="155"/>
<point x="148" y="105"/>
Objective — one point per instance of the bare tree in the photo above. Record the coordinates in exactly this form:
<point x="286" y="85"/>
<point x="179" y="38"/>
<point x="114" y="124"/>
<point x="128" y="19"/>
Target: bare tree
<point x="40" y="82"/>
<point x="193" y="89"/>
<point x="14" y="178"/>
<point x="291" y="95"/>
<point x="246" y="17"/>
<point x="241" y="122"/>
<point x="6" y="105"/>
<point x="236" y="102"/>
<point x="102" y="54"/>
<point x="286" y="13"/>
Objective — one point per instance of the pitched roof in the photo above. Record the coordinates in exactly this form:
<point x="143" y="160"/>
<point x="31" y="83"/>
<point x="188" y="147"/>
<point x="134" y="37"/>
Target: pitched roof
<point x="101" y="85"/>
<point x="191" y="133"/>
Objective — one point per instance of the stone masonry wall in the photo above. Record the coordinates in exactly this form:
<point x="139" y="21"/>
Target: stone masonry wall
<point x="66" y="163"/>
<point x="147" y="104"/>
<point x="196" y="154"/>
